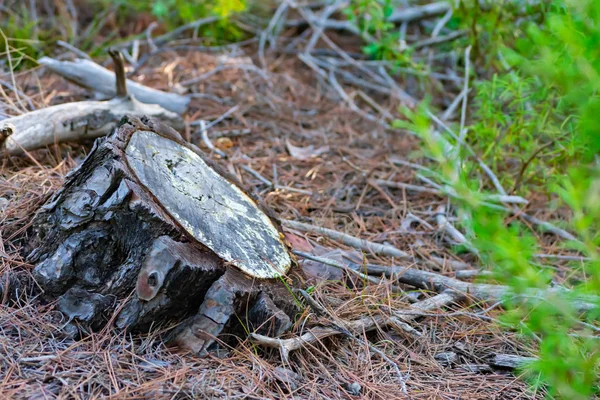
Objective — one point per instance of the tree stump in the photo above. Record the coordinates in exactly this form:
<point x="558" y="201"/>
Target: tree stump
<point x="147" y="222"/>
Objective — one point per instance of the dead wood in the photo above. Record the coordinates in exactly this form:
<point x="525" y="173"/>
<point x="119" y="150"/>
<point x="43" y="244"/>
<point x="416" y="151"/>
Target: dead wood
<point x="75" y="122"/>
<point x="398" y="16"/>
<point x="80" y="121"/>
<point x="111" y="245"/>
<point x="349" y="240"/>
<point x="95" y="77"/>
<point x="376" y="248"/>
<point x="481" y="291"/>
<point x="357" y="326"/>
<point x="510" y="361"/>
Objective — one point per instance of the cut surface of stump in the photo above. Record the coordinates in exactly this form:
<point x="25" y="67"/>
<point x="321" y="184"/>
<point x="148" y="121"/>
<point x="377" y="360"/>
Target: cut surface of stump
<point x="150" y="228"/>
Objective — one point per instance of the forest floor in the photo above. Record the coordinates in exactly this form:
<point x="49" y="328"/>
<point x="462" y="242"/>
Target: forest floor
<point x="319" y="149"/>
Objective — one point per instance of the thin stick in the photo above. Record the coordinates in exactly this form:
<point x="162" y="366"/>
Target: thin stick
<point x="257" y="175"/>
<point x="320" y="24"/>
<point x="231" y="133"/>
<point x="399" y="16"/>
<point x="447" y="191"/>
<point x="333" y="263"/>
<point x="73" y="49"/>
<point x="463" y="115"/>
<point x="353" y="336"/>
<point x="546" y="225"/>
<point x="207" y="142"/>
<point x="452" y="107"/>
<point x="263" y="39"/>
<point x="351" y="103"/>
<point x="376" y="248"/>
<point x="441" y="23"/>
<point x="483" y="292"/>
<point x="19" y="93"/>
<point x="451" y="230"/>
<point x="438" y="39"/>
<point x="167" y="37"/>
<point x="407" y="186"/>
<point x="218" y="120"/>
<point x="267" y="182"/>
<point x="151" y="44"/>
<point x="349" y="240"/>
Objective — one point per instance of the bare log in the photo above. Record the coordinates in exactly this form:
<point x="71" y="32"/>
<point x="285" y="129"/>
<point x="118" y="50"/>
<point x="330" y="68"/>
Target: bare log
<point x="92" y="76"/>
<point x="74" y="122"/>
<point x="81" y="120"/>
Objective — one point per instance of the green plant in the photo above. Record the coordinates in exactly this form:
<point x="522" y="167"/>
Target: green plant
<point x="543" y="113"/>
<point x="495" y="25"/>
<point x="20" y="38"/>
<point x="177" y="12"/>
<point x="381" y="37"/>
<point x="569" y="354"/>
<point x="519" y="130"/>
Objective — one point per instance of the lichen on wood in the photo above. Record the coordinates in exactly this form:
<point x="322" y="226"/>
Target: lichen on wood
<point x="117" y="235"/>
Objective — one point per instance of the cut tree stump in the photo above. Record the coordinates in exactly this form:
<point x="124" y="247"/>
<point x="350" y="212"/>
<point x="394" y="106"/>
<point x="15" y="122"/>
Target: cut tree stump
<point x="148" y="228"/>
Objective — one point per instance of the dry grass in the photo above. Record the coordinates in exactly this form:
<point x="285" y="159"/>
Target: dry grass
<point x="38" y="361"/>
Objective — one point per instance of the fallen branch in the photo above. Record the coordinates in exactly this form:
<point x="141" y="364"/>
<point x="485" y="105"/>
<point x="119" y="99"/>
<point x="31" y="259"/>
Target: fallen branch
<point x="167" y="37"/>
<point x="437" y="40"/>
<point x="95" y="77"/>
<point x="84" y="120"/>
<point x="363" y="277"/>
<point x="355" y="327"/>
<point x="273" y="185"/>
<point x="455" y="234"/>
<point x="411" y="14"/>
<point x="511" y="361"/>
<point x="480" y="291"/>
<point x="207" y="142"/>
<point x="341" y="326"/>
<point x="398" y="16"/>
<point x="447" y="191"/>
<point x="467" y="274"/>
<point x="348" y="239"/>
<point x="376" y="248"/>
<point x="74" y="122"/>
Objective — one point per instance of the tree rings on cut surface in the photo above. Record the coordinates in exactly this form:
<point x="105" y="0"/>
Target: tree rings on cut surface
<point x="207" y="206"/>
<point x="148" y="224"/>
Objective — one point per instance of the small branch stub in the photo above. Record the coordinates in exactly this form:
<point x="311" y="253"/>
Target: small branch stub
<point x="121" y="80"/>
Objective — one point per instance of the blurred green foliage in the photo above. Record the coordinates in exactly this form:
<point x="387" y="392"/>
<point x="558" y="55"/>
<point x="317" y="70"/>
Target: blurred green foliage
<point x="535" y="122"/>
<point x="26" y="39"/>
<point x="382" y="40"/>
<point x="174" y="13"/>
<point x="20" y="40"/>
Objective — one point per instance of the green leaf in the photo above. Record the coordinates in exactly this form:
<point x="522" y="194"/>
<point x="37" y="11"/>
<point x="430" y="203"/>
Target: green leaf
<point x="160" y="9"/>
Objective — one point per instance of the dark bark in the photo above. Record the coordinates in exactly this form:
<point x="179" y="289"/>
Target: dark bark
<point x="104" y="238"/>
